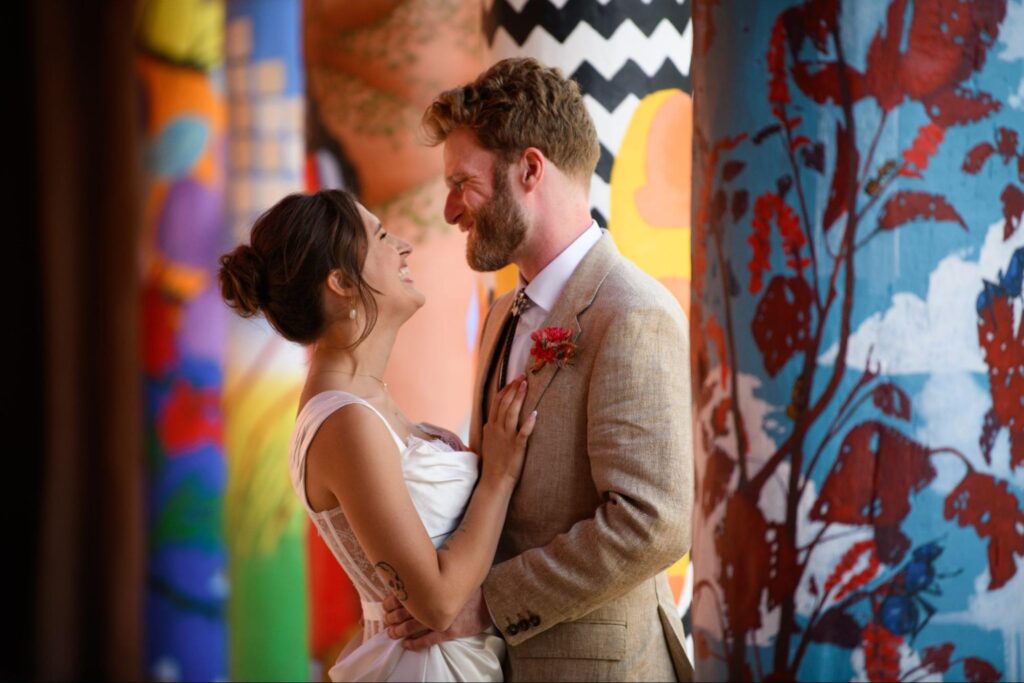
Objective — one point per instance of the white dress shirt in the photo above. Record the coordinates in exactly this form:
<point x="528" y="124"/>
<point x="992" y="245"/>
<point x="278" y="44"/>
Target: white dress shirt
<point x="544" y="291"/>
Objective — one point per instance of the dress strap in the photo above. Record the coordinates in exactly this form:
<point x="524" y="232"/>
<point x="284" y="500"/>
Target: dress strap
<point x="372" y="611"/>
<point x="308" y="423"/>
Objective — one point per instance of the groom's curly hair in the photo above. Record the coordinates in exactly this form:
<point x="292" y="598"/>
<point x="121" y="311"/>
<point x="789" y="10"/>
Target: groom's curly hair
<point x="520" y="103"/>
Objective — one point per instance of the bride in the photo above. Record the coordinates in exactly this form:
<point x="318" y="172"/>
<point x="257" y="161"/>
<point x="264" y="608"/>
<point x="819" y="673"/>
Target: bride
<point x="402" y="505"/>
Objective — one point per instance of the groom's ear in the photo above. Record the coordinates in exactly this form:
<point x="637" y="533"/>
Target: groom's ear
<point x="531" y="168"/>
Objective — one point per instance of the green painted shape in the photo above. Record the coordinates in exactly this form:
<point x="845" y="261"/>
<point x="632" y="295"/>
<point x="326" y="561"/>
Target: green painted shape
<point x="268" y="614"/>
<point x="191" y="516"/>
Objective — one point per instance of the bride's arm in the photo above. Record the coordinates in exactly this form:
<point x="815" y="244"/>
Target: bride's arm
<point x="355" y="458"/>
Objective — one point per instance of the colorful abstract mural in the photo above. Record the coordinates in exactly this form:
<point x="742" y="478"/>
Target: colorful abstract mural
<point x="632" y="62"/>
<point x="268" y="606"/>
<point x="858" y="343"/>
<point x="180" y="74"/>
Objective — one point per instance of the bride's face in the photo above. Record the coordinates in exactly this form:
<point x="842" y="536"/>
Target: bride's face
<point x="386" y="269"/>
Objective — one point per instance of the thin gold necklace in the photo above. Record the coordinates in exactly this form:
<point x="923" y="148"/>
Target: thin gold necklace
<point x="353" y="374"/>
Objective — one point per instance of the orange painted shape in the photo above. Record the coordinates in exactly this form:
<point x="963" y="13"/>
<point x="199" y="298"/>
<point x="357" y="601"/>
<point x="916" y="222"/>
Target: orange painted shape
<point x="664" y="201"/>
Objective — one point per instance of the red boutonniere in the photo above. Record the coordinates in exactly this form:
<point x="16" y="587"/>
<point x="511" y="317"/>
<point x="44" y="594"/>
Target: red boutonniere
<point x="552" y="345"/>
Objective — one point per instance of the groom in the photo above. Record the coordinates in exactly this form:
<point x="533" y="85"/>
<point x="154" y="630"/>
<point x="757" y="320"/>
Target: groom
<point x="578" y="589"/>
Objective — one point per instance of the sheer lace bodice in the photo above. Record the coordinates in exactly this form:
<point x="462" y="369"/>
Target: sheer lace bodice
<point x="439" y="474"/>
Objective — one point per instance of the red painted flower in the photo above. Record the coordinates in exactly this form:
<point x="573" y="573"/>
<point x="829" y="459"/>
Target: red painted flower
<point x="552" y="345"/>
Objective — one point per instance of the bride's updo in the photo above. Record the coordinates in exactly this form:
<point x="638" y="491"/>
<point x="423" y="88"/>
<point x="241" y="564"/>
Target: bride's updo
<point x="293" y="247"/>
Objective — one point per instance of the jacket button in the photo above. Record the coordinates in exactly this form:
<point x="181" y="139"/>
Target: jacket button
<point x="524" y="625"/>
<point x="534" y="620"/>
<point x="512" y="630"/>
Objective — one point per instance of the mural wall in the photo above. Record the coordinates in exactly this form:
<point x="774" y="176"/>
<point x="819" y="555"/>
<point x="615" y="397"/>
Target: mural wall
<point x="859" y="353"/>
<point x="632" y="61"/>
<point x="183" y="107"/>
<point x="268" y="604"/>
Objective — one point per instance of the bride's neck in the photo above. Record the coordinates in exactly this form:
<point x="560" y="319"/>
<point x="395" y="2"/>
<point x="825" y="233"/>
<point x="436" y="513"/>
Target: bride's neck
<point x="333" y="352"/>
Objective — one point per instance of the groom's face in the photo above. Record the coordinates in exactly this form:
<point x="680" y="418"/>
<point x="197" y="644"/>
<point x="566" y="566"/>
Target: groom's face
<point x="480" y="201"/>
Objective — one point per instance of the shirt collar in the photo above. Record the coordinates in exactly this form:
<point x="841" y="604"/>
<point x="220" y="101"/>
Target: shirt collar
<point x="547" y="286"/>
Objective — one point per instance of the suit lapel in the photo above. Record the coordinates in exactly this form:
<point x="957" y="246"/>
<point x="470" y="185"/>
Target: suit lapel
<point x="577" y="296"/>
<point x="488" y="340"/>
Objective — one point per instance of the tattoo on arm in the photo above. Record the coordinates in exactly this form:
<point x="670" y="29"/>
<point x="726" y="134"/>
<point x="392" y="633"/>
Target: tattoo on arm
<point x="395" y="582"/>
<point x="451" y="536"/>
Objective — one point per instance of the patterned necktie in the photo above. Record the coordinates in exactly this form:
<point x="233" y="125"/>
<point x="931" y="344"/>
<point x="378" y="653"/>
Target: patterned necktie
<point x="519" y="306"/>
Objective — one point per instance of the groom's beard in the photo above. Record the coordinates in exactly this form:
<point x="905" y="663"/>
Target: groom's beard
<point x="499" y="228"/>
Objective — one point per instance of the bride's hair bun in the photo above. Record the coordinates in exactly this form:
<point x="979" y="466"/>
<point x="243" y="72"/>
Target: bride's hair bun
<point x="243" y="277"/>
<point x="293" y="248"/>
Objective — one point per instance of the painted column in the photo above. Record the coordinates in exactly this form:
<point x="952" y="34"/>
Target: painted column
<point x="268" y="611"/>
<point x="632" y="61"/>
<point x="183" y="106"/>
<point x="858" y="346"/>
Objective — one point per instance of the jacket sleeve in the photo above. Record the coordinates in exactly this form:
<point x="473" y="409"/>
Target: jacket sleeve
<point x="640" y="447"/>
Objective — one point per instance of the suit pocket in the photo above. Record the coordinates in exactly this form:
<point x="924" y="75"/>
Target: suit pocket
<point x="597" y="639"/>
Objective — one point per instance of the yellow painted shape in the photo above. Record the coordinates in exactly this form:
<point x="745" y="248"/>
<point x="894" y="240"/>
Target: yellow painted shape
<point x="650" y="188"/>
<point x="677" y="576"/>
<point x="184" y="31"/>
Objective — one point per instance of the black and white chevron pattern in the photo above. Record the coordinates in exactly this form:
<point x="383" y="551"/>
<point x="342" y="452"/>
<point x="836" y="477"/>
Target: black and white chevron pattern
<point x="619" y="51"/>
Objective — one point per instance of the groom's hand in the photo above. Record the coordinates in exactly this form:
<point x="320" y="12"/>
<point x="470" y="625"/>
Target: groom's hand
<point x="474" y="618"/>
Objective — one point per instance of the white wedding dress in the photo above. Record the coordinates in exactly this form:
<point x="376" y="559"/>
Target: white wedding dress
<point x="440" y="474"/>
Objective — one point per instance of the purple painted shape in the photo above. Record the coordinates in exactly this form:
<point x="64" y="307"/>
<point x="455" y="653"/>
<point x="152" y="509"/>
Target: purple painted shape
<point x="204" y="326"/>
<point x="189" y="231"/>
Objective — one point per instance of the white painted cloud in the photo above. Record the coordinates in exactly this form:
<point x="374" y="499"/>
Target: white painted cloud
<point x="951" y="408"/>
<point x="937" y="335"/>
<point x="997" y="610"/>
<point x="1016" y="100"/>
<point x="1011" y="32"/>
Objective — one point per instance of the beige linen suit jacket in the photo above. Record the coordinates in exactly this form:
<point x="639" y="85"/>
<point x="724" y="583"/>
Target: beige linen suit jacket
<point x="579" y="590"/>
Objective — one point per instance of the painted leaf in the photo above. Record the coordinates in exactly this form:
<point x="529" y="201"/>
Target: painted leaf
<point x="717" y="475"/>
<point x="766" y="133"/>
<point x="1002" y="345"/>
<point x="813" y="157"/>
<point x="891" y="544"/>
<point x="740" y="202"/>
<point x="1006" y="143"/>
<point x="976" y="157"/>
<point x="905" y="207"/>
<point x="942" y="45"/>
<point x="992" y="509"/>
<point x="778" y="89"/>
<point x="977" y="670"/>
<point x="1013" y="209"/>
<point x="771" y="208"/>
<point x="844" y="179"/>
<point x="990" y="428"/>
<point x="923" y="148"/>
<point x="731" y="169"/>
<point x="958" y="106"/>
<point x="877" y="470"/>
<point x="891" y="400"/>
<point x="781" y="325"/>
<point x="837" y="627"/>
<point x="847" y="562"/>
<point x="742" y="547"/>
<point x="881" y="653"/>
<point x="815" y="20"/>
<point x="935" y="658"/>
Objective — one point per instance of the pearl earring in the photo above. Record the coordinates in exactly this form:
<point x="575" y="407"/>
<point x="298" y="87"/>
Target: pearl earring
<point x="352" y="313"/>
